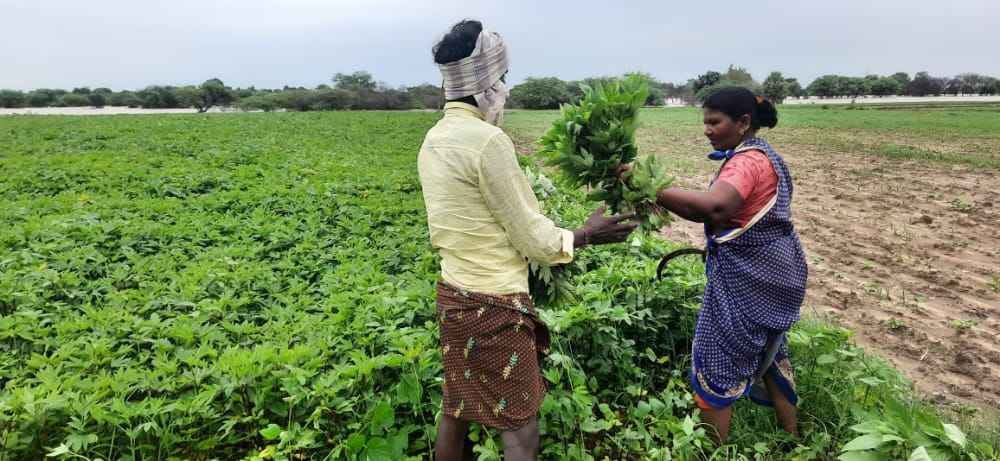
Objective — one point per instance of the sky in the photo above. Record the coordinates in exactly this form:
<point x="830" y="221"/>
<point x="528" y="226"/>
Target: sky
<point x="130" y="44"/>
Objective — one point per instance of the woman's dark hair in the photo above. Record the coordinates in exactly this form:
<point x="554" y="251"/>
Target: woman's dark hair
<point x="458" y="43"/>
<point x="738" y="101"/>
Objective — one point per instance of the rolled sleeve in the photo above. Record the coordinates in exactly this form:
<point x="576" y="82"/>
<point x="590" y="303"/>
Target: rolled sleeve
<point x="512" y="202"/>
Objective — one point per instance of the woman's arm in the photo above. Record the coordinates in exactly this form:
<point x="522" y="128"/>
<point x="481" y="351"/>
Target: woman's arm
<point x="715" y="207"/>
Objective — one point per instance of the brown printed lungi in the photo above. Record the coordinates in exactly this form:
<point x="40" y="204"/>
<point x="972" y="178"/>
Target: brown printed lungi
<point x="492" y="347"/>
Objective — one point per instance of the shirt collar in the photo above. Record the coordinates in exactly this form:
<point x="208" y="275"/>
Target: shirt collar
<point x="461" y="108"/>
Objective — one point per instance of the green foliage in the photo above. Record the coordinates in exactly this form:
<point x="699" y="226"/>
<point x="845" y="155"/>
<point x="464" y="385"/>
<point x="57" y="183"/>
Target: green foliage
<point x="775" y="88"/>
<point x="44" y="97"/>
<point x="124" y="99"/>
<point x="97" y="100"/>
<point x="160" y="97"/>
<point x="593" y="139"/>
<point x="74" y="100"/>
<point x="540" y="93"/>
<point x="886" y="86"/>
<point x="357" y="81"/>
<point x="260" y="287"/>
<point x="710" y="78"/>
<point x="12" y="99"/>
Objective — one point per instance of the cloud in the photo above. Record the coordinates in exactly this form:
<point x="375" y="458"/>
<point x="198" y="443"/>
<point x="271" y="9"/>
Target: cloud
<point x="270" y="43"/>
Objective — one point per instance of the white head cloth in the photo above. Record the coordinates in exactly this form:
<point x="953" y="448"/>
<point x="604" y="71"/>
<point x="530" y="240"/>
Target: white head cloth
<point x="479" y="74"/>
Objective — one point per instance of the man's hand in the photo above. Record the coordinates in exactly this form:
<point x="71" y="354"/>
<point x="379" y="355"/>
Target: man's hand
<point x="600" y="229"/>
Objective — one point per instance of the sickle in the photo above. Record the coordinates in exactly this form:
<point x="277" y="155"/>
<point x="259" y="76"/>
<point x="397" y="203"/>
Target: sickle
<point x="674" y="254"/>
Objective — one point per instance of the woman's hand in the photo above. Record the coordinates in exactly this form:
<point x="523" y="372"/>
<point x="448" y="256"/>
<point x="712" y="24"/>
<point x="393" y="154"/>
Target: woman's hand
<point x="600" y="229"/>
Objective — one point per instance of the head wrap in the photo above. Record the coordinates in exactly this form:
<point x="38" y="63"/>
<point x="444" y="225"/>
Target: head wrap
<point x="479" y="74"/>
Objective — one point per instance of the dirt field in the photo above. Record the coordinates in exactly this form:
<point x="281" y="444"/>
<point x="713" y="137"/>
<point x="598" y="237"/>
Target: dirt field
<point x="903" y="251"/>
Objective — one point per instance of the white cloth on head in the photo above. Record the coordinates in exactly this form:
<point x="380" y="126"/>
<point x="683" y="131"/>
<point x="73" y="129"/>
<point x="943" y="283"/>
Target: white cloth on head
<point x="479" y="75"/>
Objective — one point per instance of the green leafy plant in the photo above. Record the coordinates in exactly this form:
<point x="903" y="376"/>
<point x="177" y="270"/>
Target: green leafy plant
<point x="592" y="139"/>
<point x="907" y="432"/>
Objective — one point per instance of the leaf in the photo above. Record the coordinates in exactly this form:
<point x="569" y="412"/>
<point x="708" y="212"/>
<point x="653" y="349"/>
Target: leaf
<point x="688" y="425"/>
<point x="955" y="435"/>
<point x="379" y="449"/>
<point x="872" y="381"/>
<point x="271" y="432"/>
<point x="642" y="409"/>
<point x="382" y="417"/>
<point x="409" y="390"/>
<point x="356" y="442"/>
<point x="862" y="456"/>
<point x="62" y="449"/>
<point x="864" y="442"/>
<point x="826" y="359"/>
<point x="868" y="427"/>
<point x="920" y="454"/>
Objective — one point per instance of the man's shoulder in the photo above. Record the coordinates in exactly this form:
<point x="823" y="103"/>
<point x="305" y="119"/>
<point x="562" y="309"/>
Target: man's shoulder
<point x="472" y="132"/>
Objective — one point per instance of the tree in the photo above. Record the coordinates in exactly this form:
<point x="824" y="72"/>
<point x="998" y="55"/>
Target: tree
<point x="41" y="98"/>
<point x="83" y="90"/>
<point x="189" y="96"/>
<point x="209" y="94"/>
<point x="214" y="93"/>
<point x="923" y="84"/>
<point x="794" y="88"/>
<point x="266" y="102"/>
<point x="824" y="87"/>
<point x="74" y="100"/>
<point x="738" y="76"/>
<point x="124" y="99"/>
<point x="885" y="86"/>
<point x="97" y="100"/>
<point x="12" y="98"/>
<point x="427" y="96"/>
<point x="159" y="97"/>
<point x="971" y="83"/>
<point x="990" y="87"/>
<point x="775" y="87"/>
<point x="540" y="93"/>
<point x="904" y="81"/>
<point x="358" y="81"/>
<point x="851" y="86"/>
<point x="332" y="99"/>
<point x="707" y="79"/>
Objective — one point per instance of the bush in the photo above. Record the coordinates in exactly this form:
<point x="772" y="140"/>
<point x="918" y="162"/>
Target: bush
<point x="12" y="98"/>
<point x="426" y="96"/>
<point x="540" y="93"/>
<point x="74" y="100"/>
<point x="42" y="98"/>
<point x="124" y="99"/>
<point x="336" y="99"/>
<point x="264" y="102"/>
<point x="97" y="100"/>
<point x="160" y="97"/>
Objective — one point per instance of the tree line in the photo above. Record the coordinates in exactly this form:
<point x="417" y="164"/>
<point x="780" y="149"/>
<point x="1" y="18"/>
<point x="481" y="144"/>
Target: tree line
<point x="360" y="91"/>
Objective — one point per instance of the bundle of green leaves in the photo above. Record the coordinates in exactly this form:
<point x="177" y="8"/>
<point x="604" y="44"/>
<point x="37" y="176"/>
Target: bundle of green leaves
<point x="595" y="137"/>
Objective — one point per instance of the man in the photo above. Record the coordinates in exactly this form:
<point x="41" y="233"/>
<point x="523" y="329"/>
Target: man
<point x="485" y="222"/>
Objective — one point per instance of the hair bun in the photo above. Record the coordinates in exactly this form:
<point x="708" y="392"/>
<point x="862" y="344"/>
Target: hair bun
<point x="767" y="114"/>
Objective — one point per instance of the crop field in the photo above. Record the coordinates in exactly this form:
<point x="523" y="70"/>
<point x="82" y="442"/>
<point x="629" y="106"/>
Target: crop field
<point x="261" y="287"/>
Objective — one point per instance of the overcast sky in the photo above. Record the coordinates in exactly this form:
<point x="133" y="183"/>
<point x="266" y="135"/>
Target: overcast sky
<point x="129" y="44"/>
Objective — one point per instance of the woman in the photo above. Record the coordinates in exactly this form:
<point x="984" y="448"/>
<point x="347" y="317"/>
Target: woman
<point x="485" y="223"/>
<point x="755" y="266"/>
